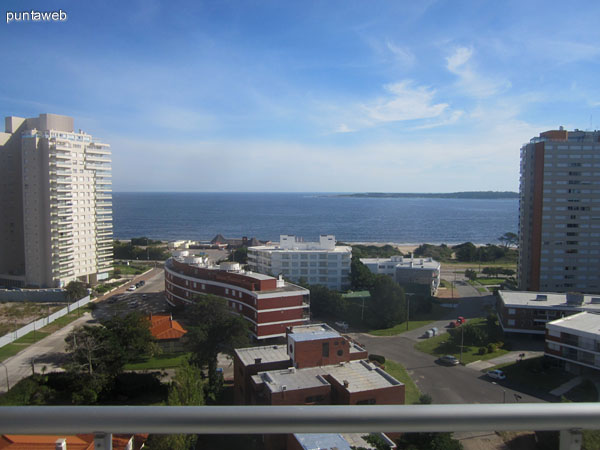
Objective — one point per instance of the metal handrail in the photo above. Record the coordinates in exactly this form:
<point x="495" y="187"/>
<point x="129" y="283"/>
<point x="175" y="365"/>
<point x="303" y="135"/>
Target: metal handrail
<point x="297" y="419"/>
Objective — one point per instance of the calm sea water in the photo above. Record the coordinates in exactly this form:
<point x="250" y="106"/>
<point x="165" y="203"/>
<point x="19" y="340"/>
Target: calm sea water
<point x="200" y="216"/>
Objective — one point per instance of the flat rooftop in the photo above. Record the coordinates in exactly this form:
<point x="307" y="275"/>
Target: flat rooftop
<point x="359" y="375"/>
<point x="278" y="249"/>
<point x="586" y="323"/>
<point x="267" y="354"/>
<point x="405" y="263"/>
<point x="292" y="379"/>
<point x="526" y="299"/>
<point x="313" y="332"/>
<point x="322" y="441"/>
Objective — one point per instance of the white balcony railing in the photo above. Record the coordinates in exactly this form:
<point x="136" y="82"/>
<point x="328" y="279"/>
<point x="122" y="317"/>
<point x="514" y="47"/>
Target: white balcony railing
<point x="568" y="418"/>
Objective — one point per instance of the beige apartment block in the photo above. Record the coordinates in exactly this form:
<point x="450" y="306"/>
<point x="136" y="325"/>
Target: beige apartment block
<point x="55" y="194"/>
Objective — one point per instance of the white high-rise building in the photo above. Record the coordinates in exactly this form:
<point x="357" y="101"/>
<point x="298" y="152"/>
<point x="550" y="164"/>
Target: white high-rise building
<point x="559" y="221"/>
<point x="55" y="195"/>
<point x="322" y="262"/>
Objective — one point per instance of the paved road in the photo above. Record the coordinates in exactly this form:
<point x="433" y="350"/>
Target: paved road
<point x="458" y="384"/>
<point x="50" y="351"/>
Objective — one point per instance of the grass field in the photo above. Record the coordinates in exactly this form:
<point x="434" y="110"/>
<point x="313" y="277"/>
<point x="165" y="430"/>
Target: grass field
<point x="440" y="345"/>
<point x="489" y="281"/>
<point x="23" y="342"/>
<point x="399" y="372"/>
<point x="133" y="269"/>
<point x="164" y="361"/>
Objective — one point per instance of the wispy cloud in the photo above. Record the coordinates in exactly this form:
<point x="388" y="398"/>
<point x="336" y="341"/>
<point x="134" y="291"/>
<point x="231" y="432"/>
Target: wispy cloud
<point x="402" y="54"/>
<point x="405" y="102"/>
<point x="472" y="83"/>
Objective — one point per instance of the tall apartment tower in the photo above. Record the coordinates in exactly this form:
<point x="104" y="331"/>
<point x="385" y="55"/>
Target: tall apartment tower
<point x="559" y="219"/>
<point x="55" y="203"/>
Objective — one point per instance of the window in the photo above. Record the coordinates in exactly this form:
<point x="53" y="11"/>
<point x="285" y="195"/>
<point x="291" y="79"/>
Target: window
<point x="325" y="349"/>
<point x="370" y="401"/>
<point x="511" y="311"/>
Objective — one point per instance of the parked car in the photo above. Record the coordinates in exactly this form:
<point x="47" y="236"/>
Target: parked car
<point x="131" y="288"/>
<point x="144" y="296"/>
<point x="142" y="283"/>
<point x="461" y="320"/>
<point x="496" y="374"/>
<point x="342" y="325"/>
<point x="448" y="360"/>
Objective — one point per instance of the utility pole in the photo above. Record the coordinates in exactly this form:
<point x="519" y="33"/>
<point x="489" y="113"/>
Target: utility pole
<point x="462" y="327"/>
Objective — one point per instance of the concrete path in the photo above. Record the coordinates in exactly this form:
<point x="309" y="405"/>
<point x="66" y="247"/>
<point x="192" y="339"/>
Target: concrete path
<point x="506" y="358"/>
<point x="566" y="387"/>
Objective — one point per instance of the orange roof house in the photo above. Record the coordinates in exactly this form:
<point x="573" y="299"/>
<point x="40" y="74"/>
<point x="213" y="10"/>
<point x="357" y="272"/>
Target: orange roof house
<point x="163" y="327"/>
<point x="78" y="442"/>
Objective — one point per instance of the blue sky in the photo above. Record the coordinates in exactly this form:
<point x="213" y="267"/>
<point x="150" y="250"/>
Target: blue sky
<point x="314" y="96"/>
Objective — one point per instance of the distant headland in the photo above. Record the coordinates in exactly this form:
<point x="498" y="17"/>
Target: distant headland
<point x="483" y="195"/>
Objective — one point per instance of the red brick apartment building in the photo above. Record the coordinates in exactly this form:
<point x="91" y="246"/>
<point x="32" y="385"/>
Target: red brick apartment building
<point x="529" y="312"/>
<point x="317" y="366"/>
<point x="269" y="304"/>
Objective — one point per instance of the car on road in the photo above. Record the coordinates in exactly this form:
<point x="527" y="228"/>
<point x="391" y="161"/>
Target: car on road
<point x="131" y="288"/>
<point x="342" y="325"/>
<point x="142" y="283"/>
<point x="496" y="374"/>
<point x="448" y="360"/>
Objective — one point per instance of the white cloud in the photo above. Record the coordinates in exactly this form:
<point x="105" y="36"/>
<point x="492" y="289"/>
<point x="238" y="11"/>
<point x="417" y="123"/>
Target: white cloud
<point x="405" y="102"/>
<point x="343" y="128"/>
<point x="469" y="80"/>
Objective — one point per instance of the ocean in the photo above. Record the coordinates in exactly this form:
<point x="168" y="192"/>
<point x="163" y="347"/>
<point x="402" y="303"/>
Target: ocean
<point x="200" y="216"/>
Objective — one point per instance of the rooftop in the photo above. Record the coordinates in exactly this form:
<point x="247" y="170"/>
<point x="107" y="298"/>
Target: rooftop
<point x="361" y="376"/>
<point x="303" y="333"/>
<point x="526" y="299"/>
<point x="585" y="322"/>
<point x="293" y="379"/>
<point x="267" y="354"/>
<point x="358" y="375"/>
<point x="404" y="262"/>
<point x="322" y="441"/>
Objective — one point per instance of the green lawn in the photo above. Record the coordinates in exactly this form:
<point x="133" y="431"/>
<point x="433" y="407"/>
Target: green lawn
<point x="440" y="345"/>
<point x="532" y="373"/>
<point x="482" y="290"/>
<point x="132" y="269"/>
<point x="398" y="371"/>
<point x="400" y="328"/>
<point x="488" y="281"/>
<point x="164" y="361"/>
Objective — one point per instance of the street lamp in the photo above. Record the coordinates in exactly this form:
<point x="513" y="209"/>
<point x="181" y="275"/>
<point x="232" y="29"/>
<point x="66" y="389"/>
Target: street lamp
<point x="503" y="392"/>
<point x="408" y="307"/>
<point x="6" y="370"/>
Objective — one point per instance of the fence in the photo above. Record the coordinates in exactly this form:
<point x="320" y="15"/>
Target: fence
<point x="32" y="295"/>
<point x="40" y="323"/>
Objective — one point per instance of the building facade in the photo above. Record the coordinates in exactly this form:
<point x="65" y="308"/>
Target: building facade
<point x="55" y="194"/>
<point x="423" y="271"/>
<point x="529" y="312"/>
<point x="575" y="342"/>
<point x="559" y="212"/>
<point x="269" y="304"/>
<point x="322" y="262"/>
<point x="317" y="366"/>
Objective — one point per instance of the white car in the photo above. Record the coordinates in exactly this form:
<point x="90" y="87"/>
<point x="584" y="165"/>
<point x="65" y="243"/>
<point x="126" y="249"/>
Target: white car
<point x="496" y="374"/>
<point x="132" y="288"/>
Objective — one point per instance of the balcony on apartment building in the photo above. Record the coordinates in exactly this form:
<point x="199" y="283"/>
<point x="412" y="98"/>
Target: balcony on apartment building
<point x="102" y="421"/>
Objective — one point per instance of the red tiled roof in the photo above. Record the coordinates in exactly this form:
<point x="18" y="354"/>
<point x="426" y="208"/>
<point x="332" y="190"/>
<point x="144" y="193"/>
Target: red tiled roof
<point x="164" y="327"/>
<point x="78" y="442"/>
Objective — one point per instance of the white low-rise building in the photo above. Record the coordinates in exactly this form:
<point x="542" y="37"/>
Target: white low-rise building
<point x="319" y="263"/>
<point x="575" y="341"/>
<point x="424" y="271"/>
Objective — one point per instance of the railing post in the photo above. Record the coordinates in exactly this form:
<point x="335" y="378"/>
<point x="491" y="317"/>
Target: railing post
<point x="102" y="441"/>
<point x="570" y="439"/>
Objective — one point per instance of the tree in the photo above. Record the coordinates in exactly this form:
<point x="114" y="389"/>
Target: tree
<point x="509" y="239"/>
<point x="471" y="274"/>
<point x="130" y="335"/>
<point x="387" y="305"/>
<point x="239" y="255"/>
<point x="326" y="303"/>
<point x="187" y="389"/>
<point x="466" y="252"/>
<point x="361" y="277"/>
<point x="76" y="290"/>
<point x="217" y="330"/>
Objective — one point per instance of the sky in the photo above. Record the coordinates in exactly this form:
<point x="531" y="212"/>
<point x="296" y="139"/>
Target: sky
<point x="308" y="96"/>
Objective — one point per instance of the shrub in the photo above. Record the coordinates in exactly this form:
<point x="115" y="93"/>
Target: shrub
<point x="482" y="351"/>
<point x="378" y="358"/>
<point x="491" y="348"/>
